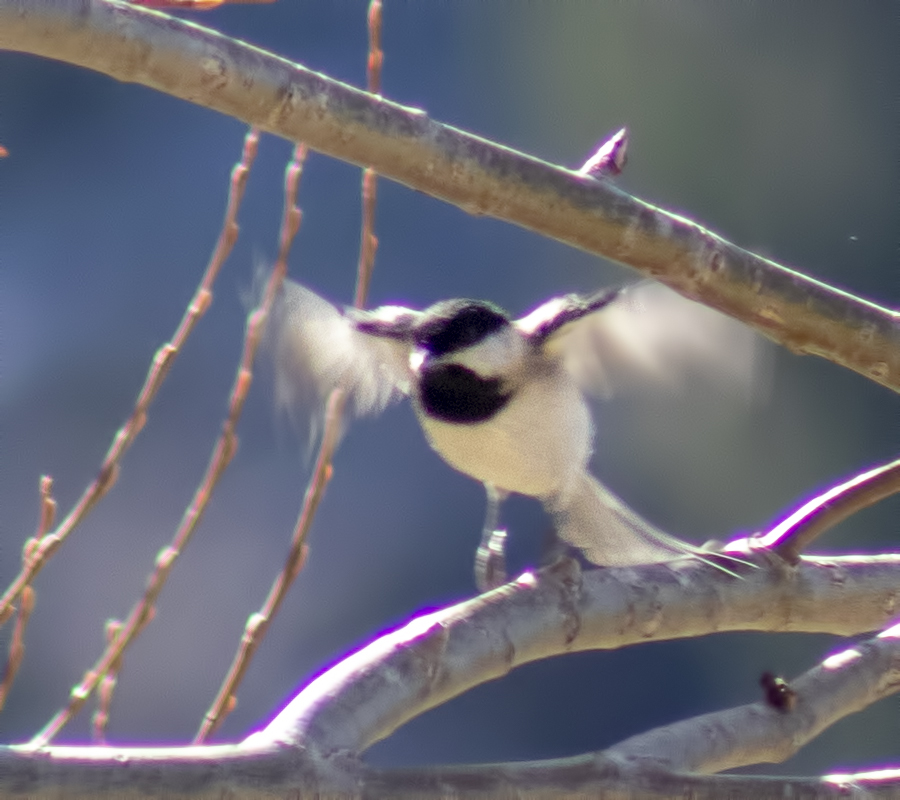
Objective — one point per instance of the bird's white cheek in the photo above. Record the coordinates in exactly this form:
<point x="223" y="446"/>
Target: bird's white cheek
<point x="500" y="354"/>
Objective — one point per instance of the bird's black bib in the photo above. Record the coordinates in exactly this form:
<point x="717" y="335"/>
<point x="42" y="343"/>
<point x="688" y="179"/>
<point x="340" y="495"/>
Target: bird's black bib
<point x="453" y="393"/>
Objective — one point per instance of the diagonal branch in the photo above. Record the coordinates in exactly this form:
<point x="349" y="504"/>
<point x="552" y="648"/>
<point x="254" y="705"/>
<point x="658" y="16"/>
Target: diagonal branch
<point x="207" y="68"/>
<point x="842" y="684"/>
<point x="257" y="625"/>
<point x="559" y="610"/>
<point x="680" y="760"/>
<point x="791" y="536"/>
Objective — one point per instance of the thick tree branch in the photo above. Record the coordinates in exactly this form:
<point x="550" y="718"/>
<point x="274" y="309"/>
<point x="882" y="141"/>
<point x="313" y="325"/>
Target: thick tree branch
<point x="599" y="778"/>
<point x="207" y="771"/>
<point x="842" y="684"/>
<point x="310" y="746"/>
<point x="560" y="610"/>
<point x="236" y="772"/>
<point x="207" y="68"/>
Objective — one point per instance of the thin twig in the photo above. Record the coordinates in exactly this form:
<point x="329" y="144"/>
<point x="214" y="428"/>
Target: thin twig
<point x="479" y="176"/>
<point x="159" y="368"/>
<point x="368" y="240"/>
<point x="258" y="624"/>
<point x="224" y="449"/>
<point x="46" y="517"/>
<point x="17" y="643"/>
<point x="790" y="537"/>
<point x="107" y="686"/>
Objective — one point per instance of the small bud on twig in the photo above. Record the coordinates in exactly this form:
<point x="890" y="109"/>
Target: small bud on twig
<point x="609" y="158"/>
<point x="778" y="692"/>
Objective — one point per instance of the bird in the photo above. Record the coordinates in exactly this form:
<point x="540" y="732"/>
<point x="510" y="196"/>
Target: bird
<point x="505" y="401"/>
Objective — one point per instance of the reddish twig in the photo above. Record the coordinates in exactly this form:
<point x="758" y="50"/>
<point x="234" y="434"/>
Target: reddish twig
<point x="258" y="624"/>
<point x="142" y="613"/>
<point x="17" y="643"/>
<point x="191" y="5"/>
<point x="107" y="687"/>
<point x="46" y="516"/>
<point x="794" y="533"/>
<point x="159" y="368"/>
<point x="376" y="54"/>
<point x="368" y="241"/>
<point x="225" y="700"/>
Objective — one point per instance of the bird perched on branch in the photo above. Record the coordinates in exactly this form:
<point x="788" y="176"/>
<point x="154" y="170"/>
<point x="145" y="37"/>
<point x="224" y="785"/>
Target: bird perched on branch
<point x="504" y="400"/>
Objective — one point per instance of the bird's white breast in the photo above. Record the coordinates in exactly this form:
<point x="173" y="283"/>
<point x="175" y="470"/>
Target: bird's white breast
<point x="535" y="445"/>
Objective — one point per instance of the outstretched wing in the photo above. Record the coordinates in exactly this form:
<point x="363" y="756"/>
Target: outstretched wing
<point x="319" y="347"/>
<point x="642" y="336"/>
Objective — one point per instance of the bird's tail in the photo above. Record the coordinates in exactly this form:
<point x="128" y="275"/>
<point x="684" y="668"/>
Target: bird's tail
<point x="609" y="533"/>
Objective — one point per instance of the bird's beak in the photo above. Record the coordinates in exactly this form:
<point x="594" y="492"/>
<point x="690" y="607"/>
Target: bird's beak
<point x="416" y="359"/>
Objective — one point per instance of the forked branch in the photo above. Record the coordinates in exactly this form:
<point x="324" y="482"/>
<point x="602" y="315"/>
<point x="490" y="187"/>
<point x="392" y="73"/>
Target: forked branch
<point x="311" y="745"/>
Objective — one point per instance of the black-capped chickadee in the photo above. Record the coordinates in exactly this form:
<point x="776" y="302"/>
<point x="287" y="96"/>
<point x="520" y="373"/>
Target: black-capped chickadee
<point x="503" y="400"/>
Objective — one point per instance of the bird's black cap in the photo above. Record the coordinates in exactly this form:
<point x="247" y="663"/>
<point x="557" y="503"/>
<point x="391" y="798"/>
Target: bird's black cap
<point x="454" y="325"/>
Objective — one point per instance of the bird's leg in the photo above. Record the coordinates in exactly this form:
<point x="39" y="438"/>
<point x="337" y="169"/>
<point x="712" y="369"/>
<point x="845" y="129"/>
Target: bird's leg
<point x="490" y="558"/>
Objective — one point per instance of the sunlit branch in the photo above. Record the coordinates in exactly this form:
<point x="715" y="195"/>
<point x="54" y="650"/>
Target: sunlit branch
<point x="205" y="67"/>
<point x="792" y="535"/>
<point x="561" y="610"/>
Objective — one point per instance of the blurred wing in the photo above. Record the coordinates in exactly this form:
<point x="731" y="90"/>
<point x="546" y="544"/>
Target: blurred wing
<point x="551" y="317"/>
<point x="318" y="348"/>
<point x="649" y="335"/>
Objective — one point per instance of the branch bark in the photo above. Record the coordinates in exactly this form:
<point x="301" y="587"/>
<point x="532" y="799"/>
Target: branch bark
<point x="310" y="747"/>
<point x="561" y="610"/>
<point x="204" y="67"/>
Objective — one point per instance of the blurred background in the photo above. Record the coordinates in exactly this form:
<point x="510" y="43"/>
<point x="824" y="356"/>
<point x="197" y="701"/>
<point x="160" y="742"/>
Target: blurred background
<point x="774" y="124"/>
